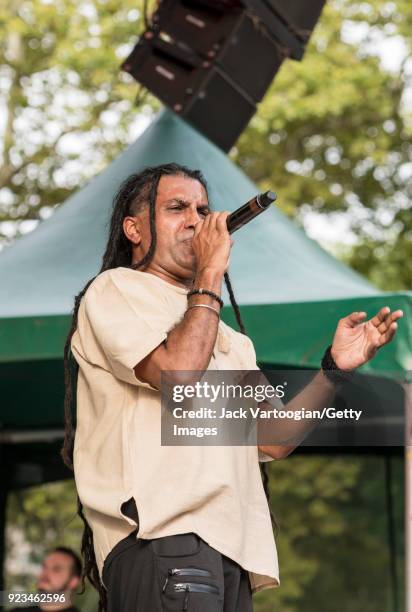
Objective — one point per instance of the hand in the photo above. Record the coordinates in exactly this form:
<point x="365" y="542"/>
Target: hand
<point x="356" y="341"/>
<point x="212" y="243"/>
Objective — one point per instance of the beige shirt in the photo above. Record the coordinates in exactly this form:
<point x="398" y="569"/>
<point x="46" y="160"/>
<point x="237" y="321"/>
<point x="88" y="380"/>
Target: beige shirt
<point x="214" y="491"/>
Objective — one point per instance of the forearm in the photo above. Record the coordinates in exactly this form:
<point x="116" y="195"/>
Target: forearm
<point x="278" y="437"/>
<point x="190" y="343"/>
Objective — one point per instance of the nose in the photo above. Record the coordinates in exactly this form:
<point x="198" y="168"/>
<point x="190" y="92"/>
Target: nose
<point x="192" y="217"/>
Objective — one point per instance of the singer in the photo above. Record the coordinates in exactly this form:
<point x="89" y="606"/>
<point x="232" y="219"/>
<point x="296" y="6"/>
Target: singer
<point x="172" y="527"/>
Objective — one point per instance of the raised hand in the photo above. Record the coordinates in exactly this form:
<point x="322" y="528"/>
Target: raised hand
<point x="356" y="341"/>
<point x="212" y="243"/>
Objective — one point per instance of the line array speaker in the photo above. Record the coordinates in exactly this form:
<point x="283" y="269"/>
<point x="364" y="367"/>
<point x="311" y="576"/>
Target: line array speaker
<point x="211" y="61"/>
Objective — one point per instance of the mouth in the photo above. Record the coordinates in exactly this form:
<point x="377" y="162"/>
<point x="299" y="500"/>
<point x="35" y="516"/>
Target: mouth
<point x="188" y="242"/>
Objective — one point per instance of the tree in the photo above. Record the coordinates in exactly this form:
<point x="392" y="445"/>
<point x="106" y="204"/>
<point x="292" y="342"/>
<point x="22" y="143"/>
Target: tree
<point x="39" y="519"/>
<point x="68" y="107"/>
<point x="333" y="136"/>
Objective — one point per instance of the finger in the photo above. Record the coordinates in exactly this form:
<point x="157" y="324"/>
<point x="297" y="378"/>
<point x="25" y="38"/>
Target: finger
<point x="387" y="336"/>
<point x="207" y="224"/>
<point x="221" y="223"/>
<point x="355" y="318"/>
<point x="212" y="220"/>
<point x="380" y="316"/>
<point x="199" y="225"/>
<point x="384" y="326"/>
<point x="390" y="318"/>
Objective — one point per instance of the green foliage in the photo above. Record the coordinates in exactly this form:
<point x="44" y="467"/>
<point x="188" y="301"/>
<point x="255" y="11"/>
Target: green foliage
<point x="332" y="542"/>
<point x="332" y="539"/>
<point x="68" y="107"/>
<point x="38" y="519"/>
<point x="333" y="135"/>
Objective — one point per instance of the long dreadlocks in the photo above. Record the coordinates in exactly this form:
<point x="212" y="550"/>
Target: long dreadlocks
<point x="134" y="194"/>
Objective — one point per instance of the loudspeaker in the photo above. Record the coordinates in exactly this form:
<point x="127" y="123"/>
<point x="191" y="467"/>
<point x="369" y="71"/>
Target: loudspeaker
<point x="211" y="61"/>
<point x="193" y="88"/>
<point x="300" y="15"/>
<point x="280" y="30"/>
<point x="200" y="25"/>
<point x="235" y="42"/>
<point x="219" y="110"/>
<point x="170" y="71"/>
<point x="250" y="56"/>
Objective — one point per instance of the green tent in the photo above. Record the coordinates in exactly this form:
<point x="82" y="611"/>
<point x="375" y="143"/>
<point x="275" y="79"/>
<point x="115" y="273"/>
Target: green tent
<point x="292" y="292"/>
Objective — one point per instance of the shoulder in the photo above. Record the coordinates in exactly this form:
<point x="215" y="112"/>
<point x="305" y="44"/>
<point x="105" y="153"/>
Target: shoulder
<point x="117" y="276"/>
<point x="125" y="283"/>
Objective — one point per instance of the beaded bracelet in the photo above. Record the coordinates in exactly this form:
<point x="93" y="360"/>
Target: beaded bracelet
<point x="202" y="291"/>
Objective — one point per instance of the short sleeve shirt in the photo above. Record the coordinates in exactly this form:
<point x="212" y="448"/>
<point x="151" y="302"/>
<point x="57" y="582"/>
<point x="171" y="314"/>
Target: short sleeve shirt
<point x="214" y="491"/>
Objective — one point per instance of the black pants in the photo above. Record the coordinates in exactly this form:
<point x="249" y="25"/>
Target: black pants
<point x="174" y="573"/>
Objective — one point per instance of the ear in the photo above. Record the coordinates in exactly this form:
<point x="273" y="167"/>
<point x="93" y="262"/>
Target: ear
<point x="132" y="229"/>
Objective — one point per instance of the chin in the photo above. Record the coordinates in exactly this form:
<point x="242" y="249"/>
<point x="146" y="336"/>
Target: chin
<point x="189" y="267"/>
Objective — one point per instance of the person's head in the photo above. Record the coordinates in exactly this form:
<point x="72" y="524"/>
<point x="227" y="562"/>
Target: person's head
<point x="181" y="202"/>
<point x="153" y="219"/>
<point x="61" y="571"/>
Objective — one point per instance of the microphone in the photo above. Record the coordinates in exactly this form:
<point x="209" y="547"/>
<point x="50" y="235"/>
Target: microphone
<point x="250" y="210"/>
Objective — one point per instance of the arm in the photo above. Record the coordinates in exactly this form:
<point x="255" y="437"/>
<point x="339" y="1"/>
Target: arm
<point x="189" y="345"/>
<point x="355" y="342"/>
<point x="317" y="394"/>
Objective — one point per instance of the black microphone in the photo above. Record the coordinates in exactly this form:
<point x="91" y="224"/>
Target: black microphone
<point x="250" y="210"/>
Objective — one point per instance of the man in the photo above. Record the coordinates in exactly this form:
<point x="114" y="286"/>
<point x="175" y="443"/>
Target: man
<point x="173" y="527"/>
<point x="59" y="579"/>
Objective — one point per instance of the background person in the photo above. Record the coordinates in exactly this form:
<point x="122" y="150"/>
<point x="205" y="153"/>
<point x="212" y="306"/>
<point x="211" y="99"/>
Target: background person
<point x="60" y="574"/>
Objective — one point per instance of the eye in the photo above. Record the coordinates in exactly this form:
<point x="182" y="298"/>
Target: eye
<point x="203" y="211"/>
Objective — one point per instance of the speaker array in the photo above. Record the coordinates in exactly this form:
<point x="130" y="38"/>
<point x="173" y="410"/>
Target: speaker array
<point x="211" y="61"/>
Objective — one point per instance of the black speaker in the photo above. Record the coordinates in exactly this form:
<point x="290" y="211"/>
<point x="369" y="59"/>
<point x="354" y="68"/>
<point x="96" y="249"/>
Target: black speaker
<point x="171" y="72"/>
<point x="202" y="26"/>
<point x="250" y="56"/>
<point x="193" y="88"/>
<point x="230" y="38"/>
<point x="299" y="15"/>
<point x="212" y="61"/>
<point x="219" y="110"/>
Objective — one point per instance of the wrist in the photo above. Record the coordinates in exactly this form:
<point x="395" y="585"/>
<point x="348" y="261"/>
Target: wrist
<point x="209" y="278"/>
<point x="202" y="291"/>
<point x="332" y="371"/>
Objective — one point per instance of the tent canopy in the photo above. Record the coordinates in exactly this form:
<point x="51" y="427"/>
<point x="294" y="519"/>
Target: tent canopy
<point x="291" y="291"/>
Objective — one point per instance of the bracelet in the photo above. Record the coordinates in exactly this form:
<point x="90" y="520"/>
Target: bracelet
<point x="202" y="291"/>
<point x="331" y="370"/>
<point x="204" y="306"/>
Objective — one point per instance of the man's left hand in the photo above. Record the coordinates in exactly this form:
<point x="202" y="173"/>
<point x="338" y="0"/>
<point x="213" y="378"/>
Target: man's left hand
<point x="356" y="341"/>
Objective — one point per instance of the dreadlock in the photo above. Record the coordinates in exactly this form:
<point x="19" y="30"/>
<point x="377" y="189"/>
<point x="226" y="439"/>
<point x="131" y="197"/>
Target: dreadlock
<point x="133" y="195"/>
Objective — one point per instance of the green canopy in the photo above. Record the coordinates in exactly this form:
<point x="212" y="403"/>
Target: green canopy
<point x="291" y="291"/>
